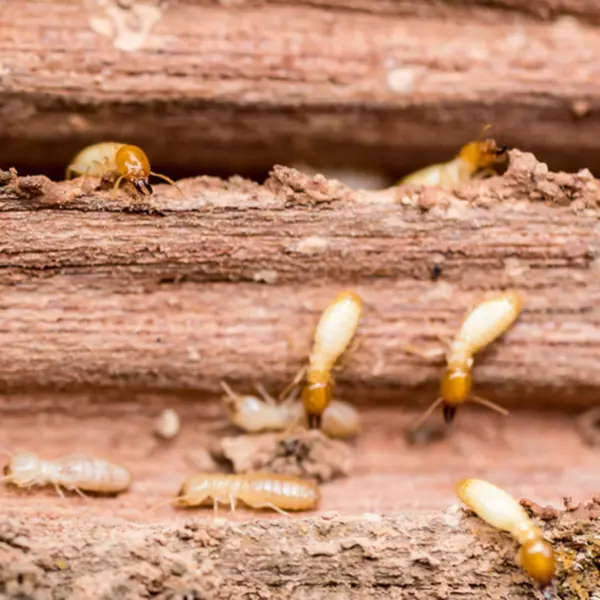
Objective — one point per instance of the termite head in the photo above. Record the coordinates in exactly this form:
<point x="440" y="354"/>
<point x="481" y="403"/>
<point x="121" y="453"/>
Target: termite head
<point x="22" y="468"/>
<point x="482" y="155"/>
<point x="133" y="165"/>
<point x="536" y="556"/>
<point x="247" y="412"/>
<point x="316" y="396"/>
<point x="454" y="390"/>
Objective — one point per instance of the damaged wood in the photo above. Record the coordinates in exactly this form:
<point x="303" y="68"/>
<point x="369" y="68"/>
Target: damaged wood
<point x="447" y="554"/>
<point x="224" y="88"/>
<point x="228" y="282"/>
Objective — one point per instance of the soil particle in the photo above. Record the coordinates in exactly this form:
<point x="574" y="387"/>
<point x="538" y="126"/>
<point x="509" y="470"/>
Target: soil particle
<point x="308" y="454"/>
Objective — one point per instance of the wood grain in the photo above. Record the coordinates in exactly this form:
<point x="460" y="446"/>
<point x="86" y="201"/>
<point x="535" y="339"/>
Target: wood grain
<point x="229" y="282"/>
<point x="238" y="88"/>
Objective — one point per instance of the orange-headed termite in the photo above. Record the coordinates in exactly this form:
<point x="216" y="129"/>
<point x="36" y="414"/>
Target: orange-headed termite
<point x="254" y="414"/>
<point x="500" y="510"/>
<point x="334" y="331"/>
<point x="74" y="472"/>
<point x="257" y="490"/>
<point x="473" y="158"/>
<point x="117" y="161"/>
<point x="486" y="322"/>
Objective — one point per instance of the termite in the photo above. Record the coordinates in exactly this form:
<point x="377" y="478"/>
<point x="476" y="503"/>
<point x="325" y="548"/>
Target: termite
<point x="254" y="414"/>
<point x="499" y="509"/>
<point x="485" y="323"/>
<point x="118" y="162"/>
<point x="474" y="158"/>
<point x="257" y="490"/>
<point x="335" y="329"/>
<point x="75" y="472"/>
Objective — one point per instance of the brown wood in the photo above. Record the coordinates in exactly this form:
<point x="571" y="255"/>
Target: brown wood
<point x="391" y="529"/>
<point x="238" y="87"/>
<point x="229" y="282"/>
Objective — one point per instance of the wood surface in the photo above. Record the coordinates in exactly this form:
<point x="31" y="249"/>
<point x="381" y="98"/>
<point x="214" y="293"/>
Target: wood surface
<point x="392" y="529"/>
<point x="228" y="283"/>
<point x="236" y="87"/>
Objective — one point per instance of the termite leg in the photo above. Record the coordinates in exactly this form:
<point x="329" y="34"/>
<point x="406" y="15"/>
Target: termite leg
<point x="427" y="413"/>
<point x="231" y="504"/>
<point x="489" y="404"/>
<point x="429" y="355"/>
<point x="273" y="507"/>
<point x="484" y="173"/>
<point x="290" y="386"/>
<point x="116" y="186"/>
<point x="58" y="490"/>
<point x="80" y="493"/>
<point x="215" y="507"/>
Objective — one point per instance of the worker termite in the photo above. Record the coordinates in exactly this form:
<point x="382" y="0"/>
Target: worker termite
<point x="486" y="322"/>
<point x="118" y="162"/>
<point x="335" y="329"/>
<point x="257" y="490"/>
<point x="500" y="510"/>
<point x="75" y="472"/>
<point x="254" y="414"/>
<point x="474" y="159"/>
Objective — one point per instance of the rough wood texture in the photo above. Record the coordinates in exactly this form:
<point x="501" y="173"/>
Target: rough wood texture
<point x="227" y="88"/>
<point x="397" y="536"/>
<point x="331" y="556"/>
<point x="228" y="283"/>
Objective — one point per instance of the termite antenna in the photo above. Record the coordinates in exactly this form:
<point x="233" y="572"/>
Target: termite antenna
<point x="290" y="386"/>
<point x="427" y="413"/>
<point x="171" y="501"/>
<point x="6" y="451"/>
<point x="489" y="404"/>
<point x="291" y="397"/>
<point x="260" y="388"/>
<point x="232" y="397"/>
<point x="169" y="180"/>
